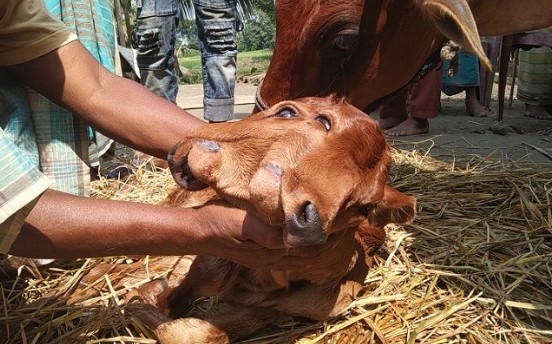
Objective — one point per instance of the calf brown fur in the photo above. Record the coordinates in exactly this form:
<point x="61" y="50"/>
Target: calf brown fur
<point x="317" y="168"/>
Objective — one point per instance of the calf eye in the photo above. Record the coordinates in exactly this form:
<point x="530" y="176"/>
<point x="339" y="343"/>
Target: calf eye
<point x="286" y="113"/>
<point x="366" y="209"/>
<point x="325" y="121"/>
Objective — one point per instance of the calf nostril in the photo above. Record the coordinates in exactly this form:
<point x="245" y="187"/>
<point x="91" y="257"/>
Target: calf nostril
<point x="306" y="226"/>
<point x="307" y="214"/>
<point x="181" y="172"/>
<point x="170" y="155"/>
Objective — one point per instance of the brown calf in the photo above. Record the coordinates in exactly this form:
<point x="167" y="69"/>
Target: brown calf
<point x="316" y="167"/>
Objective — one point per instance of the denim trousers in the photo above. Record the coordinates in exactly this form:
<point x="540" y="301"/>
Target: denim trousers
<point x="156" y="25"/>
<point x="217" y="26"/>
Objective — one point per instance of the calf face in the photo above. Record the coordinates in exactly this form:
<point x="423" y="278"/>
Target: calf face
<point x="312" y="166"/>
<point x="317" y="167"/>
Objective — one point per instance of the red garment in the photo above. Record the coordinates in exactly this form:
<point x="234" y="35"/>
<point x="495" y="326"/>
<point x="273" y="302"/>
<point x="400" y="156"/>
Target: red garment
<point x="421" y="99"/>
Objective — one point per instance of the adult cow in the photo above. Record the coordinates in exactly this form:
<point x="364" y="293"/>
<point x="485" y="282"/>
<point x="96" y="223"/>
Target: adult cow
<point x="365" y="50"/>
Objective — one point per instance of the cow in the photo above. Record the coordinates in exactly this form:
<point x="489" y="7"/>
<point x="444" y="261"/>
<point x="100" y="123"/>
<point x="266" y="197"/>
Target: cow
<point x="365" y="50"/>
<point x="315" y="167"/>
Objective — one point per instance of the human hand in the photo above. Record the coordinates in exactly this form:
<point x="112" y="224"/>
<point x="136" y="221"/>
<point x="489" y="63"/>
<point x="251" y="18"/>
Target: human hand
<point x="236" y="235"/>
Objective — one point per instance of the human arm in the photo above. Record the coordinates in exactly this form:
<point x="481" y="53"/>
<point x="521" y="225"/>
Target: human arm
<point x="119" y="108"/>
<point x="66" y="226"/>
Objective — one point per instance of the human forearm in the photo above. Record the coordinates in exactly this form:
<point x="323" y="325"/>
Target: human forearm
<point x="120" y="108"/>
<point x="66" y="226"/>
<point x="138" y="117"/>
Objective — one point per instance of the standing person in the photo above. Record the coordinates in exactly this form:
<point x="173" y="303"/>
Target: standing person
<point x="156" y="23"/>
<point x="467" y="79"/>
<point x="217" y="26"/>
<point x="408" y="113"/>
<point x="535" y="81"/>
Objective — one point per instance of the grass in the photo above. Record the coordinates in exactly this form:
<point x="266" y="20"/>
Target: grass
<point x="248" y="63"/>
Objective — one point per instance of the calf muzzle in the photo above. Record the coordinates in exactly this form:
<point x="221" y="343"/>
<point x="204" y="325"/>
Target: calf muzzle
<point x="305" y="227"/>
<point x="178" y="164"/>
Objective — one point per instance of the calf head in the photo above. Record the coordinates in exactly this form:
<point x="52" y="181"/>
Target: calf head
<point x="312" y="166"/>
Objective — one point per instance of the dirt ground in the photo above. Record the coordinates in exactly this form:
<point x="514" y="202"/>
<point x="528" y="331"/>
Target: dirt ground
<point x="453" y="135"/>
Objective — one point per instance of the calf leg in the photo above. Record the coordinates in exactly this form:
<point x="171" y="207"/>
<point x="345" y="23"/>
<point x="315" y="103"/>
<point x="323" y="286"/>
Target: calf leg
<point x="324" y="301"/>
<point x="229" y="323"/>
<point x="208" y="276"/>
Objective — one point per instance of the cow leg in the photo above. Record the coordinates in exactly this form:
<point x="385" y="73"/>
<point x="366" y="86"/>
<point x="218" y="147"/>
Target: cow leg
<point x="229" y="323"/>
<point x="208" y="276"/>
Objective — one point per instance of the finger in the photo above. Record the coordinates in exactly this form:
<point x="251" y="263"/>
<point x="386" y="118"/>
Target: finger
<point x="264" y="234"/>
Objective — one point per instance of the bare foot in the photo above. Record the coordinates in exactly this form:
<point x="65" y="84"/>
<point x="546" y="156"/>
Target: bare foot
<point x="536" y="111"/>
<point x="390" y="122"/>
<point x="473" y="106"/>
<point x="410" y="126"/>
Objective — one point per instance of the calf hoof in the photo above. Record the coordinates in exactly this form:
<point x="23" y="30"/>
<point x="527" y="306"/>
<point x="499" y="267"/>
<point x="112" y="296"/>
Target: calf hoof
<point x="190" y="331"/>
<point x="148" y="293"/>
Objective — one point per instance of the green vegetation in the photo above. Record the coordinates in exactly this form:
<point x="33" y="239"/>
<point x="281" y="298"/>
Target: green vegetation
<point x="249" y="63"/>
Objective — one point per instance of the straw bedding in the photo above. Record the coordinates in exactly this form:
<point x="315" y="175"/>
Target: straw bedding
<point x="475" y="267"/>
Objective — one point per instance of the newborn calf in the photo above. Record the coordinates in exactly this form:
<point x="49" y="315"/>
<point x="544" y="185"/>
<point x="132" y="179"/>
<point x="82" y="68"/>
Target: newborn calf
<point x="317" y="168"/>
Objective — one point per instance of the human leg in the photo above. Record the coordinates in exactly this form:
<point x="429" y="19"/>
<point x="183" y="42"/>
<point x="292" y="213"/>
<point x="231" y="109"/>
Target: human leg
<point x="535" y="82"/>
<point x="217" y="30"/>
<point x="156" y="37"/>
<point x="473" y="106"/>
<point x="466" y="79"/>
<point x="393" y="112"/>
<point x="423" y="102"/>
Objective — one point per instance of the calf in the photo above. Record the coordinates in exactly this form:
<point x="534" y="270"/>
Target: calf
<point x="317" y="168"/>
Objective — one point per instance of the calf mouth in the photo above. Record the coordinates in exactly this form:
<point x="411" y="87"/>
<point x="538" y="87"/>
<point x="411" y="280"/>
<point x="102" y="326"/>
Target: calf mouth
<point x="180" y="170"/>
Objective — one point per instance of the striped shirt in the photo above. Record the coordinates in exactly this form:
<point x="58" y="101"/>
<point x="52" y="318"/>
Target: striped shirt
<point x="41" y="144"/>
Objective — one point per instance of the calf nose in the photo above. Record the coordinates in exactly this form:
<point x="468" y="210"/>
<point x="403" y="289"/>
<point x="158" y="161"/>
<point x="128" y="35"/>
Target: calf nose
<point x="305" y="227"/>
<point x="178" y="164"/>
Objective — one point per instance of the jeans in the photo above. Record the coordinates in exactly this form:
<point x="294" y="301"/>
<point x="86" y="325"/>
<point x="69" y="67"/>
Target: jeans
<point x="217" y="26"/>
<point x="157" y="21"/>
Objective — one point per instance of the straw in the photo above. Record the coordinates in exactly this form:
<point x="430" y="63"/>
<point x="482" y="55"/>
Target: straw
<point x="474" y="267"/>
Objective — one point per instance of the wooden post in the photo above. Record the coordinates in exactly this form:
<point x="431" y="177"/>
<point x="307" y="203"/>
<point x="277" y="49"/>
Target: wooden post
<point x="122" y="40"/>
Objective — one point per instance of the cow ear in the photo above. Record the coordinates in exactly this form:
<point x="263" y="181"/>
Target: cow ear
<point x="395" y="207"/>
<point x="454" y="19"/>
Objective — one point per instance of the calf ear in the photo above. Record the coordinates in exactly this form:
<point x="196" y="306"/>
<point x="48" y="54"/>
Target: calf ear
<point x="454" y="19"/>
<point x="395" y="207"/>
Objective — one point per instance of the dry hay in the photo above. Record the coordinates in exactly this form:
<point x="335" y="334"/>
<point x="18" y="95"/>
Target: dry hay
<point x="475" y="267"/>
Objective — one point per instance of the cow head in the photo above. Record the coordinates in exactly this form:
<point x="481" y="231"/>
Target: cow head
<point x="312" y="166"/>
<point x="361" y="50"/>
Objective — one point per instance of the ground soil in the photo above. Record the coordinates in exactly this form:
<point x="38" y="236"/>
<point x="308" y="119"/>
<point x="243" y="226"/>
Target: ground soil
<point x="454" y="135"/>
